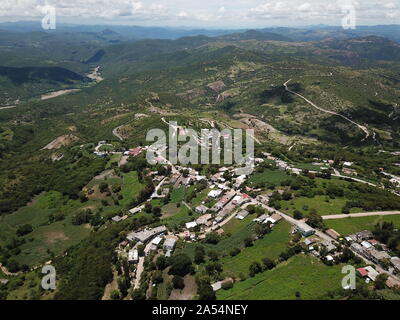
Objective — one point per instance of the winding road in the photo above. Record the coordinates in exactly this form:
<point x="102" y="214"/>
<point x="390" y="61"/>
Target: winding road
<point x="363" y="128"/>
<point x="115" y="133"/>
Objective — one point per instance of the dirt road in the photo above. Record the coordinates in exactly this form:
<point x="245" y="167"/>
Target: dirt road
<point x="363" y="128"/>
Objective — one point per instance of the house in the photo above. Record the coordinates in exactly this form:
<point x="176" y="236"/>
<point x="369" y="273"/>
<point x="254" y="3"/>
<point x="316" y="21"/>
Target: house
<point x="204" y="219"/>
<point x="329" y="258"/>
<point x="362" y="272"/>
<point x="135" y="152"/>
<point x="136" y="210"/>
<point x="282" y="165"/>
<point x="117" y="219"/>
<point x="377" y="256"/>
<point x="276" y="217"/>
<point x="366" y="245"/>
<point x="315" y="253"/>
<point x="264" y="199"/>
<point x="242" y="215"/>
<point x="156" y="241"/>
<point x="191" y="225"/>
<point x="333" y="234"/>
<point x="133" y="256"/>
<point x="372" y="273"/>
<point x="395" y="261"/>
<point x="201" y="209"/>
<point x="169" y="244"/>
<point x="147" y="234"/>
<point x="364" y="235"/>
<point x="262" y="218"/>
<point x="373" y="242"/>
<point x="330" y="247"/>
<point x="347" y="164"/>
<point x="305" y="229"/>
<point x="357" y="248"/>
<point x="350" y="172"/>
<point x="349" y="239"/>
<point x="214" y="193"/>
<point x="228" y="197"/>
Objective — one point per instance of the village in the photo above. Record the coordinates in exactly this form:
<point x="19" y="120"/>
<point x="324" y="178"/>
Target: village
<point x="230" y="202"/>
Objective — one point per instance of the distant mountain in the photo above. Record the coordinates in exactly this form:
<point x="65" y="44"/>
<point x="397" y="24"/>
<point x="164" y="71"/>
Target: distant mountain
<point x="372" y="48"/>
<point x="255" y="35"/>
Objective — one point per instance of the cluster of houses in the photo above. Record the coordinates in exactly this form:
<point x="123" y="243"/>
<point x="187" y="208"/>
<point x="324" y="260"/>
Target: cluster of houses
<point x="152" y="239"/>
<point x="365" y="245"/>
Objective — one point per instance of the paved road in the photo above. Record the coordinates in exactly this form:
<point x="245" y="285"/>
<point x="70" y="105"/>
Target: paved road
<point x="363" y="128"/>
<point x="358" y="215"/>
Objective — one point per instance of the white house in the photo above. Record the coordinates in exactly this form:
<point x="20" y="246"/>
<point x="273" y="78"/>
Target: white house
<point x="191" y="225"/>
<point x="133" y="256"/>
<point x="169" y="244"/>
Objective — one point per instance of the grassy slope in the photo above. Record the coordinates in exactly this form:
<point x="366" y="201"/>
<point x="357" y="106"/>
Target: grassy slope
<point x="352" y="225"/>
<point x="271" y="246"/>
<point x="301" y="273"/>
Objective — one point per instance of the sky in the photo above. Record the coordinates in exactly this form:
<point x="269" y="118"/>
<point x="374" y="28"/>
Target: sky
<point x="205" y="13"/>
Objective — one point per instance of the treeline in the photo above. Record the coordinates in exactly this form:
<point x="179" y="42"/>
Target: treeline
<point x="67" y="176"/>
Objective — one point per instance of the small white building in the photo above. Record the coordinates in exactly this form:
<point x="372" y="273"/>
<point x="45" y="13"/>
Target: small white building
<point x="214" y="193"/>
<point x="133" y="256"/>
<point x="169" y="244"/>
<point x="242" y="215"/>
<point x="191" y="225"/>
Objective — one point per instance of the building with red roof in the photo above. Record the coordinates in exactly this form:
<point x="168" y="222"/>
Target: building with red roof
<point x="362" y="272"/>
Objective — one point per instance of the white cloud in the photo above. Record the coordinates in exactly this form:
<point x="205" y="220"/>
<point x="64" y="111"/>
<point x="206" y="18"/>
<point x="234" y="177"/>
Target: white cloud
<point x="208" y="12"/>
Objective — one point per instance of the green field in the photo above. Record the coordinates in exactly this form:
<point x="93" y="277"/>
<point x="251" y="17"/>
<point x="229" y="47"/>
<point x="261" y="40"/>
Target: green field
<point x="302" y="273"/>
<point x="54" y="237"/>
<point x="334" y="206"/>
<point x="274" y="176"/>
<point x="351" y="225"/>
<point x="178" y="195"/>
<point x="234" y="225"/>
<point x="271" y="246"/>
<point x="130" y="188"/>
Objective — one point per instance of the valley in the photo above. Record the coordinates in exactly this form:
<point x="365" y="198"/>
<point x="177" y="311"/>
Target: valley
<point x="77" y="192"/>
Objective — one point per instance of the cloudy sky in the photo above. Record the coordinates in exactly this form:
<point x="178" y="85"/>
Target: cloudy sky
<point x="205" y="13"/>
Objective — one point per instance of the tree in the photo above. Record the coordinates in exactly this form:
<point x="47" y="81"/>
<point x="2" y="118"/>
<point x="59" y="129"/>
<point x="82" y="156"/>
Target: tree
<point x="181" y="265"/>
<point x="268" y="263"/>
<point x="234" y="252"/>
<point x="115" y="295"/>
<point x="248" y="242"/>
<point x="213" y="255"/>
<point x="297" y="215"/>
<point x="178" y="282"/>
<point x="254" y="268"/>
<point x="24" y="230"/>
<point x="380" y="281"/>
<point x="199" y="255"/>
<point x="161" y="263"/>
<point x="123" y="285"/>
<point x="212" y="238"/>
<point x="227" y="285"/>
<point x="157" y="277"/>
<point x="205" y="291"/>
<point x="103" y="187"/>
